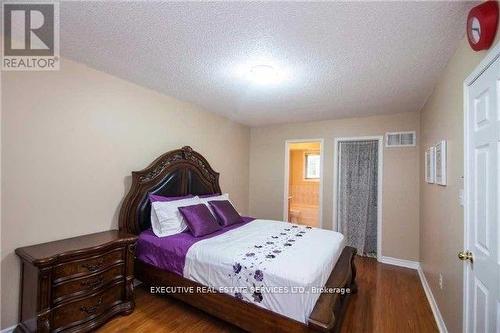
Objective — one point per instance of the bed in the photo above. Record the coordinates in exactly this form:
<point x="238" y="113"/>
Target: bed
<point x="259" y="272"/>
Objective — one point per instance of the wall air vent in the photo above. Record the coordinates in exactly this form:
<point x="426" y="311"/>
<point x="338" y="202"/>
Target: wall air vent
<point x="401" y="139"/>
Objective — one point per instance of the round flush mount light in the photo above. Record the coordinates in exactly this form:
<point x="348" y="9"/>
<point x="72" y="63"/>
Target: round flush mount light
<point x="264" y="74"/>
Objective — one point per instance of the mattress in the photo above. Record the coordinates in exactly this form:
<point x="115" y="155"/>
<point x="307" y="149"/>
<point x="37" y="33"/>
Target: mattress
<point x="276" y="265"/>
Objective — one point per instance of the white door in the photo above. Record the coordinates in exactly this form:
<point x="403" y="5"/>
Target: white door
<point x="482" y="273"/>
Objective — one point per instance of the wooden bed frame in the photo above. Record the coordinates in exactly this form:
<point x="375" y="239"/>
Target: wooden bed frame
<point x="184" y="171"/>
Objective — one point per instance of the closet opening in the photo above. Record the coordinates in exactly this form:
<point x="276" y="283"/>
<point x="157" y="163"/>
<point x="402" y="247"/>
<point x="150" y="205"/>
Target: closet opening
<point x="357" y="191"/>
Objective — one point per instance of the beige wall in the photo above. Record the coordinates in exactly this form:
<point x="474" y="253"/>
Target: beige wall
<point x="308" y="189"/>
<point x="400" y="184"/>
<point x="441" y="216"/>
<point x="70" y="140"/>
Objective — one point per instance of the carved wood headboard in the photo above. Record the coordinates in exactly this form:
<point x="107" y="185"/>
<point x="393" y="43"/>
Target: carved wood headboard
<point x="176" y="173"/>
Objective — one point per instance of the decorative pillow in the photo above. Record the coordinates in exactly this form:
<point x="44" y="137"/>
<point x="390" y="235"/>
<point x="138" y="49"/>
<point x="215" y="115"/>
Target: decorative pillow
<point x="225" y="212"/>
<point x="199" y="220"/>
<point x="154" y="197"/>
<point x="205" y="200"/>
<point x="166" y="219"/>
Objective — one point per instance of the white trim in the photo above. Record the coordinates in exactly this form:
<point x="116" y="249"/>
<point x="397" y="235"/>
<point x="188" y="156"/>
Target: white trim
<point x="414" y="144"/>
<point x="8" y="329"/>
<point x="399" y="262"/>
<point x="336" y="156"/>
<point x="287" y="176"/>
<point x="432" y="302"/>
<point x="425" y="285"/>
<point x="487" y="61"/>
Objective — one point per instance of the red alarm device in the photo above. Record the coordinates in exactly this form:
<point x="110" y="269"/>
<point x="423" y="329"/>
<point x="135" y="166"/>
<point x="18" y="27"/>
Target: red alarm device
<point x="482" y="25"/>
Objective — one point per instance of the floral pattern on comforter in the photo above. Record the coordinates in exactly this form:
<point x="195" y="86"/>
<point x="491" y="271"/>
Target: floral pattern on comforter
<point x="271" y="264"/>
<point x="249" y="269"/>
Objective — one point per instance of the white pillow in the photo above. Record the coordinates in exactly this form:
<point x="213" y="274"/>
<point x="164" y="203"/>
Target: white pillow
<point x="166" y="219"/>
<point x="221" y="197"/>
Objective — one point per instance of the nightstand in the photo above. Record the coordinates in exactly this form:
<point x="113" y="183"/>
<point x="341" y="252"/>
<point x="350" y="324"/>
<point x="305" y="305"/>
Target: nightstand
<point x="76" y="284"/>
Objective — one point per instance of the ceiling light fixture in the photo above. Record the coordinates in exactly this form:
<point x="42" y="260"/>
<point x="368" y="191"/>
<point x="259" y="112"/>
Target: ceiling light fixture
<point x="264" y="74"/>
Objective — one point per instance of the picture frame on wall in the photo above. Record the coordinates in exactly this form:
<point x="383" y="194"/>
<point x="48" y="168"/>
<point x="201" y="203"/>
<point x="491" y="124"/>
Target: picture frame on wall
<point x="440" y="161"/>
<point x="429" y="165"/>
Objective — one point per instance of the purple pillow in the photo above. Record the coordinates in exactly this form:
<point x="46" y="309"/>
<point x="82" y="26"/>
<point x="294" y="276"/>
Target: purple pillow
<point x="199" y="220"/>
<point x="225" y="212"/>
<point x="155" y="198"/>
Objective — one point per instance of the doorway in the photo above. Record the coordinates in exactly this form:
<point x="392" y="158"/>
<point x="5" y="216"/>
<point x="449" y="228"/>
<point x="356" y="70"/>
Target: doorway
<point x="303" y="182"/>
<point x="481" y="253"/>
<point x="357" y="192"/>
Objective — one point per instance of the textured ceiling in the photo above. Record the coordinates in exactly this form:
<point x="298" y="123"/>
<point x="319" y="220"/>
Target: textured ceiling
<point x="339" y="59"/>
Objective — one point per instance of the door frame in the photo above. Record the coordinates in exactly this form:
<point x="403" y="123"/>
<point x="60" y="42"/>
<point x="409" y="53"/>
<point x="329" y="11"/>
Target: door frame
<point x="488" y="60"/>
<point x="380" y="177"/>
<point x="287" y="176"/>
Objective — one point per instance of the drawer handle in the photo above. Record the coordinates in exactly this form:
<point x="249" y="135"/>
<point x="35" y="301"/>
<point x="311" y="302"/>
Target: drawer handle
<point x="92" y="283"/>
<point x="91" y="309"/>
<point x="95" y="266"/>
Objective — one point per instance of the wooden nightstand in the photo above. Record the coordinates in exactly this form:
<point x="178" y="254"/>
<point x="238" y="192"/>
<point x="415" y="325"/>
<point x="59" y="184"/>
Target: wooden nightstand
<point x="76" y="284"/>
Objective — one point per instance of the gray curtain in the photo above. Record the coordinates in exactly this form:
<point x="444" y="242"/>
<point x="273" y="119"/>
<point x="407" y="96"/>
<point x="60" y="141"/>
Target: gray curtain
<point x="357" y="195"/>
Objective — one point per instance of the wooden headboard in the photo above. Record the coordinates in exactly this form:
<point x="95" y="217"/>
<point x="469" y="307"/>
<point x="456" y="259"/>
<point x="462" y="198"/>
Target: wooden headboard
<point x="176" y="173"/>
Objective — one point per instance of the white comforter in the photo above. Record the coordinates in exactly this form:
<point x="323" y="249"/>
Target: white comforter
<point x="276" y="265"/>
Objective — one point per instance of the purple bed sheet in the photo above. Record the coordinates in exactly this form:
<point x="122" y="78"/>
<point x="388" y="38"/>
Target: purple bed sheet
<point x="169" y="253"/>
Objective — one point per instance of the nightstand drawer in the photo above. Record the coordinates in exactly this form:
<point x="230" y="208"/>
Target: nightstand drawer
<point x="87" y="283"/>
<point x="87" y="265"/>
<point x="75" y="313"/>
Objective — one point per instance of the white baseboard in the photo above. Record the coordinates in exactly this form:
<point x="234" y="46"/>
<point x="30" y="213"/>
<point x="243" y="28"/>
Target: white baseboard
<point x="432" y="302"/>
<point x="399" y="262"/>
<point x="8" y="329"/>
<point x="428" y="292"/>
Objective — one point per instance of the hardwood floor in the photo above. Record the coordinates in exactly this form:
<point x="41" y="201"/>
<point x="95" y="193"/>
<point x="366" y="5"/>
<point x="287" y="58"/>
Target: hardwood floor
<point x="389" y="299"/>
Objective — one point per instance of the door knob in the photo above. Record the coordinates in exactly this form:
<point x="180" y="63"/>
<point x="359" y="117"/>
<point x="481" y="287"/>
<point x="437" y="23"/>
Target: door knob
<point x="465" y="255"/>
